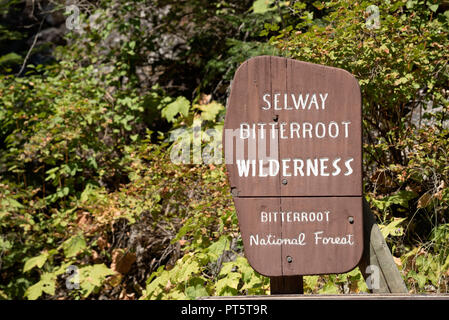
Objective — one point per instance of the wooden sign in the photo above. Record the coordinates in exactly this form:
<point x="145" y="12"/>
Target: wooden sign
<point x="293" y="150"/>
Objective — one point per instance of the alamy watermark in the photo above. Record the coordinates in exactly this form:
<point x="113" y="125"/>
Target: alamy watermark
<point x="73" y="17"/>
<point x="72" y="21"/>
<point x="373" y="280"/>
<point x="73" y="279"/>
<point x="373" y="20"/>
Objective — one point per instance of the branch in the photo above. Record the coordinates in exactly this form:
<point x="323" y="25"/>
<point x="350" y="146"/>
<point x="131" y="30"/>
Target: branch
<point x="31" y="48"/>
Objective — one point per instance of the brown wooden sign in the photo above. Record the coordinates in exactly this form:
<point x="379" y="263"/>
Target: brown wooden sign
<point x="293" y="142"/>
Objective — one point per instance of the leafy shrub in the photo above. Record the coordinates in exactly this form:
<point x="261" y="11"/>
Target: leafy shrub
<point x="88" y="191"/>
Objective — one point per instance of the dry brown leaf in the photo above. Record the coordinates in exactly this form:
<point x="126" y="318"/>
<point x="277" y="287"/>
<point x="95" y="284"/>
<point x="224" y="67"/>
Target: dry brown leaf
<point x="122" y="294"/>
<point x="439" y="193"/>
<point x="130" y="296"/>
<point x="205" y="98"/>
<point x="102" y="243"/>
<point x="421" y="252"/>
<point x="414" y="187"/>
<point x="382" y="179"/>
<point x="354" y="287"/>
<point x="115" y="279"/>
<point x="424" y="200"/>
<point x="398" y="261"/>
<point x="84" y="222"/>
<point x="168" y="286"/>
<point x="122" y="262"/>
<point x="95" y="256"/>
<point x="126" y="296"/>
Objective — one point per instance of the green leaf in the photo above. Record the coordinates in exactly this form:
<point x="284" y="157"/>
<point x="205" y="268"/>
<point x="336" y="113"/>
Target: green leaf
<point x="88" y="192"/>
<point x="10" y="58"/>
<point x="210" y="111"/>
<point x="411" y="3"/>
<point x="3" y="295"/>
<point x="318" y="4"/>
<point x="231" y="281"/>
<point x="420" y="278"/>
<point x="196" y="288"/>
<point x="92" y="162"/>
<point x="262" y="6"/>
<point x="446" y="14"/>
<point x="186" y="269"/>
<point x="311" y="282"/>
<point x="92" y="277"/>
<point x="35" y="262"/>
<point x="401" y="198"/>
<point x="392" y="228"/>
<point x="13" y="204"/>
<point x="227" y="268"/>
<point x="216" y="249"/>
<point x="97" y="273"/>
<point x="34" y="292"/>
<point x="433" y="7"/>
<point x="73" y="246"/>
<point x="156" y="282"/>
<point x="180" y="106"/>
<point x="45" y="285"/>
<point x="329" y="288"/>
<point x="446" y="264"/>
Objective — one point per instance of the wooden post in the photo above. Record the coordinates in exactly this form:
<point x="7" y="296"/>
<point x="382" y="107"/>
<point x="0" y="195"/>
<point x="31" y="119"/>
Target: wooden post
<point x="286" y="285"/>
<point x="376" y="253"/>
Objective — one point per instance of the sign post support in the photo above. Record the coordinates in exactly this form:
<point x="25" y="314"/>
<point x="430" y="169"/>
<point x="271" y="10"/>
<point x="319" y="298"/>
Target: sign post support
<point x="287" y="285"/>
<point x="377" y="264"/>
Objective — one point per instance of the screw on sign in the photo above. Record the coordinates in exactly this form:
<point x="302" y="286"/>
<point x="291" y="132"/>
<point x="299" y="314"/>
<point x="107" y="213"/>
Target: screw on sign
<point x="293" y="150"/>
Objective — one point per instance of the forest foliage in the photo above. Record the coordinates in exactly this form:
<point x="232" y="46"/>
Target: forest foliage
<point x="91" y="205"/>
